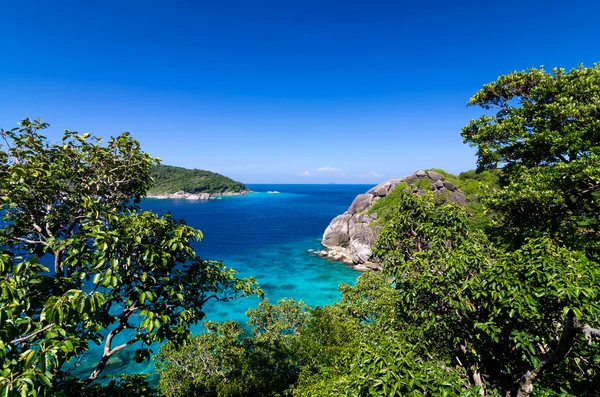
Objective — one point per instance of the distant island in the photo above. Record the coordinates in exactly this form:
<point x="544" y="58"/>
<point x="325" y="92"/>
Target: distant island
<point x="192" y="184"/>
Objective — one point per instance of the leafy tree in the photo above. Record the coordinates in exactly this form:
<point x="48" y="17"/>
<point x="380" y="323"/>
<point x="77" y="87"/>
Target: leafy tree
<point x="416" y="231"/>
<point x="529" y="316"/>
<point x="507" y="318"/>
<point x="543" y="129"/>
<point x="223" y="362"/>
<point x="209" y="364"/>
<point x="115" y="269"/>
<point x="365" y="350"/>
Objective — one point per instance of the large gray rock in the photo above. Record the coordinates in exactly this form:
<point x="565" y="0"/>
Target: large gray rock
<point x="361" y="244"/>
<point x="350" y="236"/>
<point x="450" y="186"/>
<point x="361" y="202"/>
<point x="437" y="185"/>
<point x="336" y="239"/>
<point x="435" y="176"/>
<point x="354" y="225"/>
<point x="337" y="229"/>
<point x="340" y="223"/>
<point x="382" y="189"/>
<point x="364" y="217"/>
<point x="409" y="178"/>
<point x="457" y="197"/>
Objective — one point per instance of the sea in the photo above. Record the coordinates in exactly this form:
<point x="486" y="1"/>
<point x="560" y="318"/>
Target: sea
<point x="271" y="236"/>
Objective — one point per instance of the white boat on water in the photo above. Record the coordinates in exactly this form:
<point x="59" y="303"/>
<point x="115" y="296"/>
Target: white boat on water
<point x="273" y="192"/>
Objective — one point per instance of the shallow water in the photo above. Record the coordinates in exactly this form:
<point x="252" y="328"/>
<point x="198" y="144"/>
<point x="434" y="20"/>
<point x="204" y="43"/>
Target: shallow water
<point x="263" y="235"/>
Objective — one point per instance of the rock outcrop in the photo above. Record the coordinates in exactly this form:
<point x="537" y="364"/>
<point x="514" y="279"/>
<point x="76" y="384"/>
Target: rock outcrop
<point x="350" y="236"/>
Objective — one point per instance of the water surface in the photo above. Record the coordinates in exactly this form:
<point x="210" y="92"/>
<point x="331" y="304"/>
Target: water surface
<point x="263" y="235"/>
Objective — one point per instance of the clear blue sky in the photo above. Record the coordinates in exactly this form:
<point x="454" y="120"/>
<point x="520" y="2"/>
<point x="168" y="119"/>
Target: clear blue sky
<point x="264" y="91"/>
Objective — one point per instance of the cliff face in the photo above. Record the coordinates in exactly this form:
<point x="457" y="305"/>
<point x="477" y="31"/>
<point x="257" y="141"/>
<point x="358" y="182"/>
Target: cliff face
<point x="350" y="236"/>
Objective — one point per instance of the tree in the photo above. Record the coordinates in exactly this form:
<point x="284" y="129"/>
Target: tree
<point x="115" y="269"/>
<point x="360" y="347"/>
<point x="223" y="362"/>
<point x="419" y="237"/>
<point x="543" y="129"/>
<point x="508" y="318"/>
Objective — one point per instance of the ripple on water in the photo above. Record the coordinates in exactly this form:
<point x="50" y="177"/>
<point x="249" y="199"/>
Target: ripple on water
<point x="262" y="235"/>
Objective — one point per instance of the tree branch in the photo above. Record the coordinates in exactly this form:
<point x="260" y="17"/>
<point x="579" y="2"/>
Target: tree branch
<point x="39" y="331"/>
<point x="73" y="223"/>
<point x="590" y="332"/>
<point x="28" y="241"/>
<point x="34" y="224"/>
<point x="58" y="257"/>
<point x="571" y="329"/>
<point x="590" y="189"/>
<point x="102" y="363"/>
<point x="108" y="350"/>
<point x="472" y="370"/>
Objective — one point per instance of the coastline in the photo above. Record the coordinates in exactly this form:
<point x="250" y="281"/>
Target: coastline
<point x="196" y="196"/>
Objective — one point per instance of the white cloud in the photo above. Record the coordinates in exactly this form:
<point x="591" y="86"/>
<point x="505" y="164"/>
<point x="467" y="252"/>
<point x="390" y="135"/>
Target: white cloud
<point x="331" y="170"/>
<point x="372" y="174"/>
<point x="305" y="173"/>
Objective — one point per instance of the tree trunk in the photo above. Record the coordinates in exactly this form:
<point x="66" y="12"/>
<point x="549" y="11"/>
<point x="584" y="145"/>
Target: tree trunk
<point x="58" y="264"/>
<point x="571" y="330"/>
<point x="472" y="370"/>
<point x="108" y="349"/>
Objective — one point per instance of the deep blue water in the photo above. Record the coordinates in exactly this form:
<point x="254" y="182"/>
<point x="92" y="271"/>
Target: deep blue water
<point x="263" y="235"/>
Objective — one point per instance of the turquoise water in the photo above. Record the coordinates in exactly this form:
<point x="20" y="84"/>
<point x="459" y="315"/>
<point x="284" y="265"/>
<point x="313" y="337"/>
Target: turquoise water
<point x="263" y="235"/>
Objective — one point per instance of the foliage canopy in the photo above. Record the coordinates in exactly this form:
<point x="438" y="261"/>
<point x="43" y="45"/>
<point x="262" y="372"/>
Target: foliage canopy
<point x="543" y="129"/>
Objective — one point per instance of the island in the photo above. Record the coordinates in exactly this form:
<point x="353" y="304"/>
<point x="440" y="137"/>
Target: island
<point x="192" y="184"/>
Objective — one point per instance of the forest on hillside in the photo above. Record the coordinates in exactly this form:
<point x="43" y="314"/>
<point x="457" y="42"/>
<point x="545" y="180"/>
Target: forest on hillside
<point x="169" y="179"/>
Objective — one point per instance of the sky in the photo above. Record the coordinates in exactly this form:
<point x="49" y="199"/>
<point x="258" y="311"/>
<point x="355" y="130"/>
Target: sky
<point x="284" y="91"/>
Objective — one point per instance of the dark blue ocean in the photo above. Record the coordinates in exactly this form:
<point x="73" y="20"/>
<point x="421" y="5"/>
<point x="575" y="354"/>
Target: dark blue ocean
<point x="263" y="235"/>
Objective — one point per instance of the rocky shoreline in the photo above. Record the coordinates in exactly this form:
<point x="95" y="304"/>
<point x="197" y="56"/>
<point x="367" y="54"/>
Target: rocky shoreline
<point x="349" y="238"/>
<point x="199" y="196"/>
<point x="340" y="254"/>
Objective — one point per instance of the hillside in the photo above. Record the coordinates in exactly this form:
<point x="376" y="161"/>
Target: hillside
<point x="169" y="179"/>
<point x="351" y="235"/>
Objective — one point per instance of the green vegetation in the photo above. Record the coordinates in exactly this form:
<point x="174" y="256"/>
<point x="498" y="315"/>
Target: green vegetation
<point x="169" y="179"/>
<point x="387" y="204"/>
<point x="545" y="135"/>
<point x="116" y="269"/>
<point x="476" y="186"/>
<point x="225" y="363"/>
<point x="498" y="297"/>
